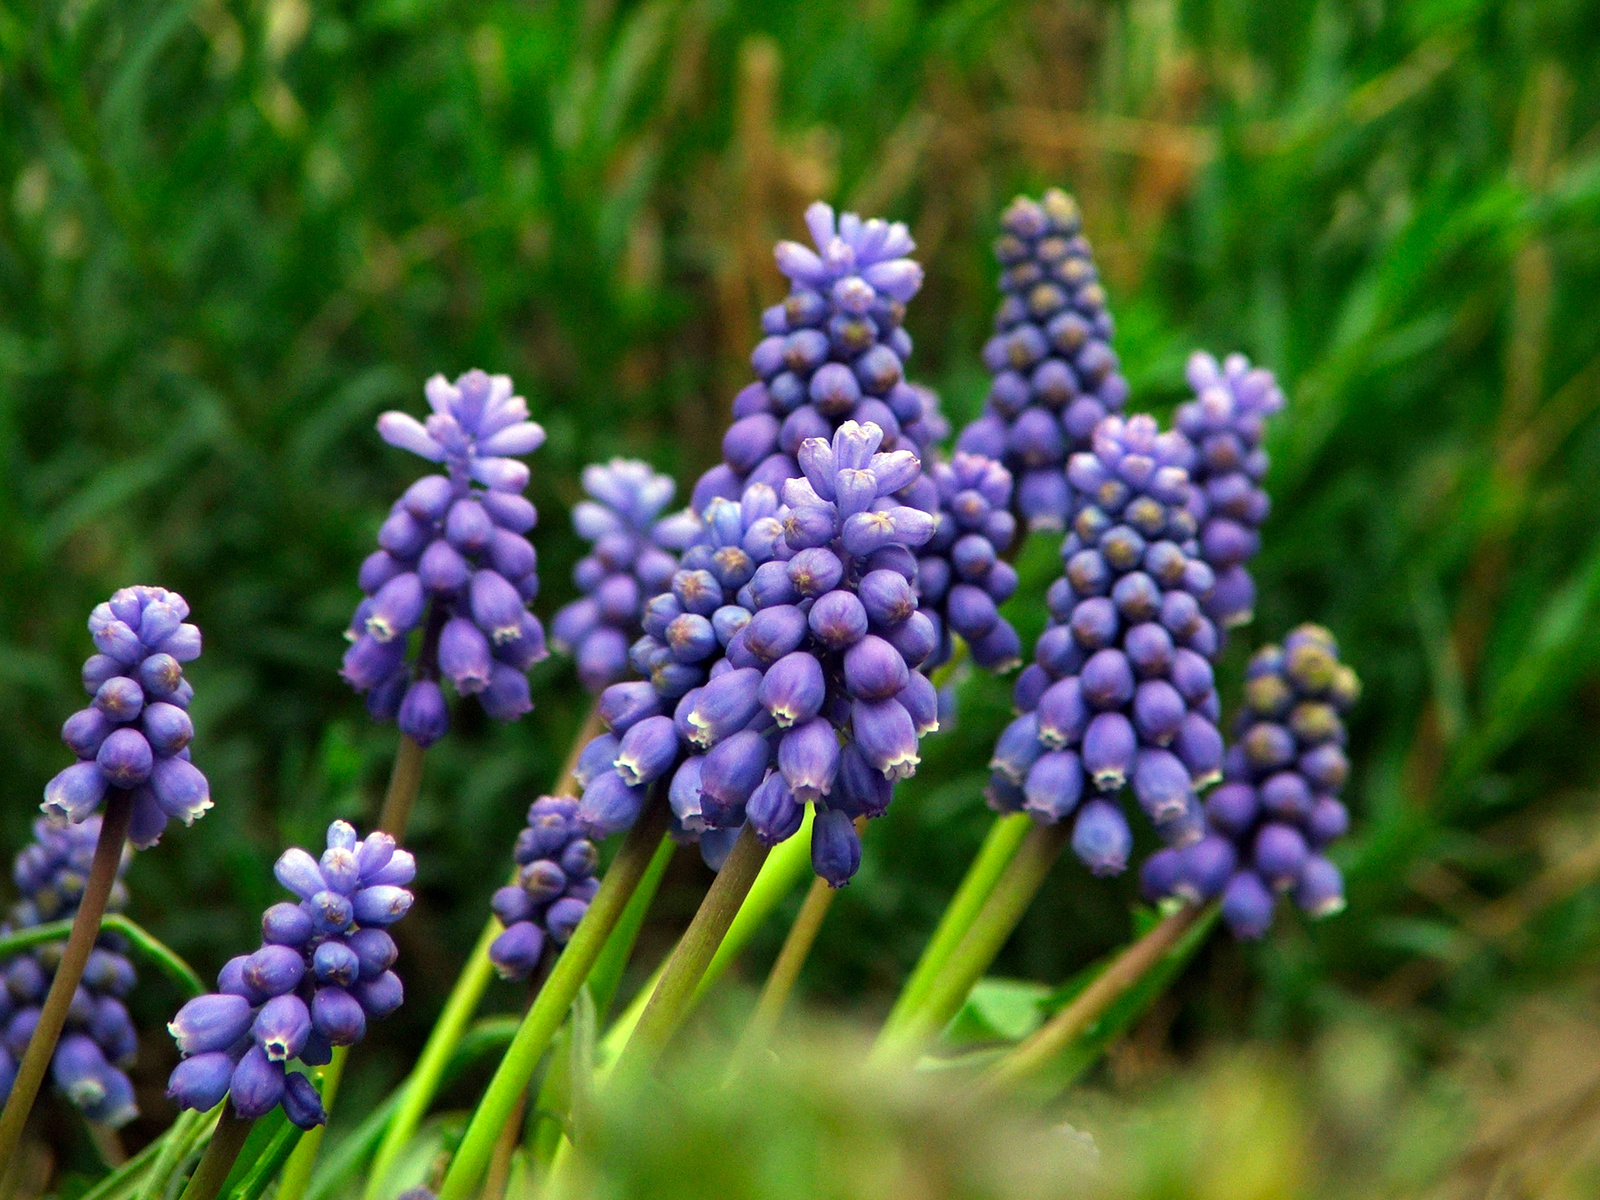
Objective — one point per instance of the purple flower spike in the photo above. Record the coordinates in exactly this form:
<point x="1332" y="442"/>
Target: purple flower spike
<point x="137" y="726"/>
<point x="303" y="991"/>
<point x="453" y="560"/>
<point x="555" y="887"/>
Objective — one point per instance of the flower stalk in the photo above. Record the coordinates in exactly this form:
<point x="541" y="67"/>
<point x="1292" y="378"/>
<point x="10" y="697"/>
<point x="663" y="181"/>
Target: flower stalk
<point x="221" y="1153"/>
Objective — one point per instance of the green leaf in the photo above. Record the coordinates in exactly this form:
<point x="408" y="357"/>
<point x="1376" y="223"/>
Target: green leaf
<point x="1005" y="1010"/>
<point x="271" y="1141"/>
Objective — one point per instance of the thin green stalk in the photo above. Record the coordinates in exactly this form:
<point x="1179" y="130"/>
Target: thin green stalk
<point x="69" y="971"/>
<point x="180" y="1139"/>
<point x="995" y="921"/>
<point x="555" y="998"/>
<point x="1126" y="970"/>
<point x="786" y="969"/>
<point x="220" y="1155"/>
<point x="999" y="848"/>
<point x="674" y="996"/>
<point x="405" y="784"/>
<point x="140" y="941"/>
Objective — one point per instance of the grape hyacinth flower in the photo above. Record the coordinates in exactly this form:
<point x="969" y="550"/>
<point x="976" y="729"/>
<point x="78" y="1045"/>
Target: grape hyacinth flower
<point x="453" y="560"/>
<point x="632" y="560"/>
<point x="834" y="351"/>
<point x="961" y="576"/>
<point x="555" y="883"/>
<point x="135" y="734"/>
<point x="1225" y="422"/>
<point x="99" y="1041"/>
<point x="321" y="973"/>
<point x="1278" y="807"/>
<point x="1055" y="374"/>
<point x="1120" y="691"/>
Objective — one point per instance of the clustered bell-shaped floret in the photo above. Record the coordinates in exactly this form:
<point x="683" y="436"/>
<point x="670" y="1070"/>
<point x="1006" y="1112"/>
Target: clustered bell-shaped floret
<point x="135" y="733"/>
<point x="321" y="973"/>
<point x="632" y="560"/>
<point x="99" y="1041"/>
<point x="834" y="351"/>
<point x="555" y="883"/>
<point x="961" y="576"/>
<point x="1278" y="808"/>
<point x="1055" y="374"/>
<point x="1120" y="691"/>
<point x="816" y="696"/>
<point x="1225" y="422"/>
<point x="453" y="559"/>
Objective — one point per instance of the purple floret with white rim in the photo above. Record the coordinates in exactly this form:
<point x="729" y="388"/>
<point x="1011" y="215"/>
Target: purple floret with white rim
<point x="135" y="734"/>
<point x="323" y="970"/>
<point x="1226" y="422"/>
<point x="555" y="883"/>
<point x="1055" y="376"/>
<point x="99" y="1042"/>
<point x="632" y="559"/>
<point x="1120" y="692"/>
<point x="1278" y="808"/>
<point x="453" y="560"/>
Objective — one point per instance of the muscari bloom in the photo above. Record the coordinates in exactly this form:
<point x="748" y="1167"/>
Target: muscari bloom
<point x="816" y="696"/>
<point x="1055" y="374"/>
<point x="961" y="576"/>
<point x="135" y="733"/>
<point x="1225" y="422"/>
<point x="321" y="973"/>
<point x="1278" y="807"/>
<point x="453" y="559"/>
<point x="99" y="1041"/>
<point x="633" y="558"/>
<point x="1120" y="691"/>
<point x="555" y="883"/>
<point x="834" y="351"/>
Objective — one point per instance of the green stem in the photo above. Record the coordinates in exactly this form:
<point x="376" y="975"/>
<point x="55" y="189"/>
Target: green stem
<point x="220" y="1155"/>
<point x="674" y="996"/>
<point x="180" y="1139"/>
<point x="555" y="998"/>
<point x="140" y="941"/>
<point x="972" y="956"/>
<point x="69" y="971"/>
<point x="1048" y="1041"/>
<point x="999" y="848"/>
<point x="786" y="969"/>
<point x="405" y="782"/>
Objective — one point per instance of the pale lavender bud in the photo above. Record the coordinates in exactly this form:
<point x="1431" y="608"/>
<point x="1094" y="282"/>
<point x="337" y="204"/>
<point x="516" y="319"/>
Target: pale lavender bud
<point x="210" y="1022"/>
<point x="285" y="924"/>
<point x="1109" y="747"/>
<point x="1101" y="838"/>
<point x="1054" y="785"/>
<point x="1247" y="905"/>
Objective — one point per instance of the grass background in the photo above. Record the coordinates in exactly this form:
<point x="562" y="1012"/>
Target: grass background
<point x="232" y="233"/>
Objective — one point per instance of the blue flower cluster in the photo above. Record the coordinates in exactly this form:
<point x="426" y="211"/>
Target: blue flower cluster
<point x="1055" y="374"/>
<point x="323" y="971"/>
<point x="1120" y="690"/>
<point x="1225" y="422"/>
<point x="99" y="1041"/>
<point x="961" y="576"/>
<point x="633" y="557"/>
<point x="453" y="559"/>
<point x="1278" y="807"/>
<point x="834" y="351"/>
<point x="135" y="733"/>
<point x="810" y="688"/>
<point x="555" y="883"/>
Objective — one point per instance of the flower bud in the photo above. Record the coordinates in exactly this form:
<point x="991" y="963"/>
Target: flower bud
<point x="286" y="924"/>
<point x="301" y="1103"/>
<point x="281" y="1027"/>
<point x="381" y="995"/>
<point x="516" y="952"/>
<point x="257" y="1084"/>
<point x="335" y="962"/>
<point x="1247" y="905"/>
<point x="211" y="1022"/>
<point x="338" y="1015"/>
<point x="1101" y="838"/>
<point x="202" y="1081"/>
<point x="835" y="848"/>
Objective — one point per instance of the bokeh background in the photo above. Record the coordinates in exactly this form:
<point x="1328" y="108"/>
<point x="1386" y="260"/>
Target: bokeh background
<point x="231" y="233"/>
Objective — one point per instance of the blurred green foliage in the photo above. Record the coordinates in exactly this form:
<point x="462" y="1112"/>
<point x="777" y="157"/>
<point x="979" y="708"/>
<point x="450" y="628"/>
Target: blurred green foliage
<point x="231" y="234"/>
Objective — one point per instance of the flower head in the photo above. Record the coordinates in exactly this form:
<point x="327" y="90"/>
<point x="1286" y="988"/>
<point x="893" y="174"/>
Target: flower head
<point x="1278" y="807"/>
<point x="1055" y="376"/>
<point x="1225" y="422"/>
<point x="321" y="973"/>
<point x="555" y="882"/>
<point x="135" y="733"/>
<point x="99" y="1041"/>
<point x="632" y="560"/>
<point x="453" y="560"/>
<point x="961" y="576"/>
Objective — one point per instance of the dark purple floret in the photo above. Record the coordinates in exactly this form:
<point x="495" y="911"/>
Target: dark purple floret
<point x="1054" y="374"/>
<point x="1278" y="809"/>
<point x="453" y="561"/>
<point x="99" y="1041"/>
<point x="554" y="884"/>
<point x="313" y="984"/>
<point x="1225" y="422"/>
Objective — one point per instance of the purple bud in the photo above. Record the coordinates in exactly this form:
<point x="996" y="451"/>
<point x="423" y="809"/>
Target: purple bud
<point x="281" y="1027"/>
<point x="1199" y="745"/>
<point x="1062" y="714"/>
<point x="1247" y="905"/>
<point x="919" y="698"/>
<point x="724" y="706"/>
<point x="334" y="962"/>
<point x="624" y="704"/>
<point x="286" y="924"/>
<point x="1158" y="711"/>
<point x="793" y="689"/>
<point x="835" y="848"/>
<point x="201" y="1082"/>
<point x="887" y="597"/>
<point x="167" y="728"/>
<point x="424" y="717"/>
<point x="916" y="638"/>
<point x="338" y="1016"/>
<point x="301" y="1103"/>
<point x="397" y="608"/>
<point x="385" y="993"/>
<point x="860" y="789"/>
<point x="1107" y="680"/>
<point x="231" y="979"/>
<point x="597" y="756"/>
<point x="1320" y="891"/>
<point x="74" y="793"/>
<point x="815" y="571"/>
<point x="464" y="656"/>
<point x="126" y="758"/>
<point x="773" y="811"/>
<point x="1054" y="785"/>
<point x="257" y="1084"/>
<point x="1017" y="748"/>
<point x="647" y="750"/>
<point x="886" y="736"/>
<point x="1328" y="820"/>
<point x="731" y="771"/>
<point x="120" y="699"/>
<point x="1161" y="785"/>
<point x="516" y="952"/>
<point x="808" y="759"/>
<point x="381" y="905"/>
<point x="299" y="872"/>
<point x="273" y="970"/>
<point x="999" y="650"/>
<point x="609" y="805"/>
<point x="375" y="951"/>
<point x="1279" y="854"/>
<point x="180" y="789"/>
<point x="1109" y="746"/>
<point x="1206" y="867"/>
<point x="1101" y="838"/>
<point x="85" y="730"/>
<point x="838" y="619"/>
<point x="873" y="669"/>
<point x="1158" y="877"/>
<point x="210" y="1022"/>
